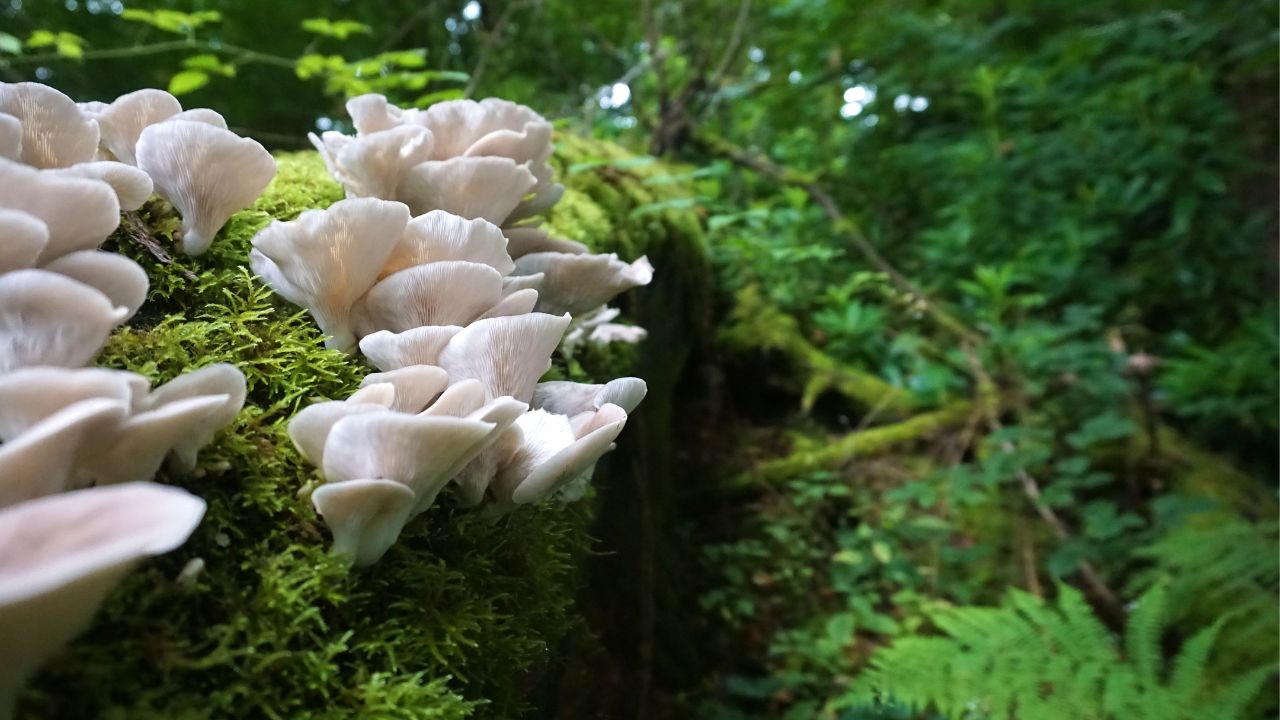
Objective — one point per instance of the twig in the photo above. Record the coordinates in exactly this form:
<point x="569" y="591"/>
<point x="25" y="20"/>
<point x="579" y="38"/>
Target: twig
<point x="735" y="42"/>
<point x="138" y="231"/>
<point x="241" y="53"/>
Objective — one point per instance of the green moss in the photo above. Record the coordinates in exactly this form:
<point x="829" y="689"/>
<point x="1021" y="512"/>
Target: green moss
<point x="459" y="619"/>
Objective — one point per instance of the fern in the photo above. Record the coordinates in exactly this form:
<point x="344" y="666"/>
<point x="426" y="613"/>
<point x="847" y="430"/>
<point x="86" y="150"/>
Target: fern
<point x="1032" y="660"/>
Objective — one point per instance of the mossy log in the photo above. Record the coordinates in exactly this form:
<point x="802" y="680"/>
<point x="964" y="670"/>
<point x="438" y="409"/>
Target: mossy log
<point x="463" y="616"/>
<point x="754" y="324"/>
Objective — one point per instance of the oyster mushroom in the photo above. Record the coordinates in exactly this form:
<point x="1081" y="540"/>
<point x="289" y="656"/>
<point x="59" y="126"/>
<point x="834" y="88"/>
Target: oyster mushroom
<point x="48" y="319"/>
<point x="131" y="185"/>
<point x="374" y="165"/>
<point x="366" y="517"/>
<point x="414" y="387"/>
<point x="41" y="460"/>
<point x="206" y="172"/>
<point x="419" y="346"/>
<point x="22" y="238"/>
<point x="440" y="236"/>
<point x="552" y="453"/>
<point x="441" y="293"/>
<point x="123" y="120"/>
<point x="325" y="260"/>
<point x="577" y="284"/>
<point x="506" y="354"/>
<point x="473" y="187"/>
<point x="120" y="279"/>
<point x="221" y="380"/>
<point x="10" y="137"/>
<point x="48" y="196"/>
<point x="61" y="555"/>
<point x="54" y="131"/>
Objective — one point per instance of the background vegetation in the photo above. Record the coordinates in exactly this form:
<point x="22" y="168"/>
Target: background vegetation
<point x="988" y="427"/>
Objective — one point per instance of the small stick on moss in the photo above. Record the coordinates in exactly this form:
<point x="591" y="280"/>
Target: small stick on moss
<point x="138" y="231"/>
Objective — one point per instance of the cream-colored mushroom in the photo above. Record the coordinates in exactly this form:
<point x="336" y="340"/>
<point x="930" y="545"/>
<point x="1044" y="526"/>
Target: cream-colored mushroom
<point x="143" y="440"/>
<point x="440" y="293"/>
<point x="120" y="279"/>
<point x="419" y="346"/>
<point x="458" y="400"/>
<point x="374" y="165"/>
<point x="41" y="460"/>
<point x="527" y="239"/>
<point x="48" y="319"/>
<point x="365" y="516"/>
<point x="309" y="429"/>
<point x="520" y="302"/>
<point x="488" y="127"/>
<point x="61" y="555"/>
<point x="473" y="187"/>
<point x="507" y="354"/>
<point x="372" y="113"/>
<point x="10" y="137"/>
<point x="124" y="119"/>
<point x="441" y="236"/>
<point x="49" y="197"/>
<point x="132" y="186"/>
<point x="220" y="380"/>
<point x="414" y="386"/>
<point x="327" y="259"/>
<point x="577" y="284"/>
<point x="548" y="458"/>
<point x="22" y="238"/>
<point x="54" y="131"/>
<point x="29" y="395"/>
<point x="571" y="398"/>
<point x="202" y="115"/>
<point x="206" y="172"/>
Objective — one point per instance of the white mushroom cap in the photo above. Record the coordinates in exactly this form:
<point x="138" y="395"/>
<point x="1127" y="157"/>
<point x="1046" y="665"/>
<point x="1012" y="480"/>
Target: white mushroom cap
<point x="120" y="279"/>
<point x="48" y="319"/>
<point x="42" y="459"/>
<point x="507" y="354"/>
<point x="473" y="187"/>
<point x="520" y="302"/>
<point x="22" y="238"/>
<point x="381" y="393"/>
<point x="10" y="137"/>
<point x="414" y="387"/>
<point x="132" y="186"/>
<point x="206" y="172"/>
<point x="123" y="121"/>
<point x="527" y="239"/>
<point x="309" y="429"/>
<point x="61" y="555"/>
<point x="220" y="380"/>
<point x="54" y="131"/>
<point x="327" y="259"/>
<point x="488" y="127"/>
<point x="473" y="480"/>
<point x="578" y="283"/>
<point x="419" y="346"/>
<point x="439" y="236"/>
<point x="414" y="450"/>
<point x="144" y="439"/>
<point x="29" y="395"/>
<point x="441" y="293"/>
<point x="372" y="113"/>
<point x="516" y="283"/>
<point x="458" y="400"/>
<point x="78" y="213"/>
<point x="365" y="516"/>
<point x="373" y="165"/>
<point x="538" y="472"/>
<point x="571" y="398"/>
<point x="202" y="115"/>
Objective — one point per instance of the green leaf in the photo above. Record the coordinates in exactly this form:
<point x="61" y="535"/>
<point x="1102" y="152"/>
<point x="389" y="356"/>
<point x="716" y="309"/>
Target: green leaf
<point x="209" y="63"/>
<point x="10" y="44"/>
<point x="42" y="38"/>
<point x="341" y="29"/>
<point x="188" y="81"/>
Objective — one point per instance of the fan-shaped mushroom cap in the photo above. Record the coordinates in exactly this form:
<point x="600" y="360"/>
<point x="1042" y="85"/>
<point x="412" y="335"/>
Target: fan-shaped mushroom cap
<point x="123" y="121"/>
<point x="131" y="186"/>
<point x="52" y="197"/>
<point x="382" y="393"/>
<point x="202" y="115"/>
<point x="221" y="380"/>
<point x="373" y="165"/>
<point x="507" y="354"/>
<point x="520" y="302"/>
<point x="442" y="293"/>
<point x="48" y="319"/>
<point x="545" y="193"/>
<point x="539" y="475"/>
<point x="61" y="555"/>
<point x="488" y="127"/>
<point x="516" y="283"/>
<point x="578" y="283"/>
<point x="365" y="516"/>
<point x="29" y="395"/>
<point x="22" y="238"/>
<point x="372" y="113"/>
<point x="206" y="172"/>
<point x="42" y="459"/>
<point x="571" y="398"/>
<point x="309" y="429"/>
<point x="415" y="386"/>
<point x="54" y="131"/>
<point x="440" y="236"/>
<point x="473" y="187"/>
<point x="326" y="259"/>
<point x="10" y="137"/>
<point x="419" y="346"/>
<point x="144" y="439"/>
<point x="528" y="239"/>
<point x="414" y="450"/>
<point x="473" y="480"/>
<point x="458" y="400"/>
<point x="120" y="279"/>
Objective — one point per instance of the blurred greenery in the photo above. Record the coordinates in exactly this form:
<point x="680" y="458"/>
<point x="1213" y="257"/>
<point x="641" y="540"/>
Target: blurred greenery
<point x="1049" y="223"/>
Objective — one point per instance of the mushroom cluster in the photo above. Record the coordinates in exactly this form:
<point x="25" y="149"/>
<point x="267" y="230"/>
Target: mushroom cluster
<point x="140" y="142"/>
<point x="436" y="269"/>
<point x="67" y="431"/>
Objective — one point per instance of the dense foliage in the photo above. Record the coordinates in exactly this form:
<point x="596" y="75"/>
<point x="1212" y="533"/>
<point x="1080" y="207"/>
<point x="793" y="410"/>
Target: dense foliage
<point x="998" y="359"/>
